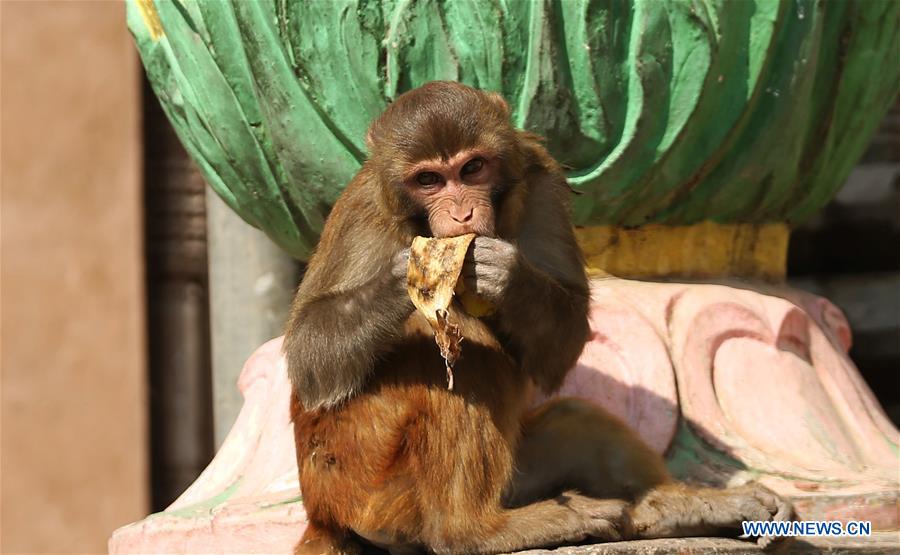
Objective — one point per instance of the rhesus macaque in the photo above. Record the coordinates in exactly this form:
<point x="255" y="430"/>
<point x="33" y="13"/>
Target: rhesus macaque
<point x="387" y="454"/>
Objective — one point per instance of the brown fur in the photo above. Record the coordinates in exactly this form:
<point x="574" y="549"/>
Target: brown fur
<point x="385" y="451"/>
<point x="374" y="462"/>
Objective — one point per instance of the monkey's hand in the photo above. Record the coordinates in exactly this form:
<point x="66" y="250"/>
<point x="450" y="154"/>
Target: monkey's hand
<point x="488" y="267"/>
<point x="401" y="265"/>
<point x="541" y="320"/>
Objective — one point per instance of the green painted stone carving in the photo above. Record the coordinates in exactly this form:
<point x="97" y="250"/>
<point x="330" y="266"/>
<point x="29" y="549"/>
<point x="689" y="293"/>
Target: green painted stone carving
<point x="665" y="111"/>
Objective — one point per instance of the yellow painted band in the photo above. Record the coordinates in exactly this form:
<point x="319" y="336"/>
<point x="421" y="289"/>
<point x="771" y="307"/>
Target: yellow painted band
<point x="704" y="250"/>
<point x="151" y="18"/>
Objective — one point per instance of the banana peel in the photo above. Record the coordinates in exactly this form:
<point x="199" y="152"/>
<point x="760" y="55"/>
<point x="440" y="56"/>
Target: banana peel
<point x="432" y="279"/>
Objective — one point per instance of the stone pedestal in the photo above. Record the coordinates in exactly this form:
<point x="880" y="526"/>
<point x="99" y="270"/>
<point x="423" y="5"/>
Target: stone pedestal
<point x="731" y="381"/>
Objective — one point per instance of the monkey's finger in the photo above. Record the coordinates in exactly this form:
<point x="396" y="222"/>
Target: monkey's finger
<point x="482" y="254"/>
<point x="768" y="500"/>
<point x="483" y="286"/>
<point x="475" y="282"/>
<point x="482" y="242"/>
<point x="757" y="511"/>
<point x="777" y="507"/>
<point x="401" y="264"/>
<point x="402" y="257"/>
<point x="497" y="247"/>
<point x="488" y="248"/>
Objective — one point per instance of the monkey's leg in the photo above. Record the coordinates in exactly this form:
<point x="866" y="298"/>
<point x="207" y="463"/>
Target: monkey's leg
<point x="568" y="518"/>
<point x="571" y="443"/>
<point x="319" y="540"/>
<point x="674" y="510"/>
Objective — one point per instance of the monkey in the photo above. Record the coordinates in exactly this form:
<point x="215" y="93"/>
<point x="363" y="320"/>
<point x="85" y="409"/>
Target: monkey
<point x="387" y="455"/>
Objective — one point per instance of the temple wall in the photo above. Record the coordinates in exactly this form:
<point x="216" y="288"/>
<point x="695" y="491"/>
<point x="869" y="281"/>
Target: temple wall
<point x="74" y="439"/>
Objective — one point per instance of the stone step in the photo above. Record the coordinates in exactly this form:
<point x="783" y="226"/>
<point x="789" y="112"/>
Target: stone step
<point x="878" y="542"/>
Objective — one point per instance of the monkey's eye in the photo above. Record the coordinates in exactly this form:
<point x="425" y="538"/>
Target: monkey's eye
<point x="472" y="166"/>
<point x="427" y="178"/>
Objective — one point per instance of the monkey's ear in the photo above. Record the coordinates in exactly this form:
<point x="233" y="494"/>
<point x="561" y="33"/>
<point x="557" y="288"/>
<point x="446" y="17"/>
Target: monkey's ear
<point x="497" y="100"/>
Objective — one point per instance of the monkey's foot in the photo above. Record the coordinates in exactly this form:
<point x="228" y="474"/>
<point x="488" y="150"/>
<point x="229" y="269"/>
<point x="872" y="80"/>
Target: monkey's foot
<point x="727" y="509"/>
<point x="603" y="519"/>
<point x="675" y="510"/>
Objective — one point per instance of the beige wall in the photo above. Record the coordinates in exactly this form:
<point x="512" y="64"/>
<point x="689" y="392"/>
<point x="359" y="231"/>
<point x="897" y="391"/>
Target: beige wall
<point x="74" y="436"/>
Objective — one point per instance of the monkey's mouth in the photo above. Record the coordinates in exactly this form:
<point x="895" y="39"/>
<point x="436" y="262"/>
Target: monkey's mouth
<point x="455" y="231"/>
<point x="442" y="228"/>
<point x="445" y="232"/>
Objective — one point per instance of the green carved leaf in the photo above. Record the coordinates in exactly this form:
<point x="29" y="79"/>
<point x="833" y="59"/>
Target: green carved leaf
<point x="668" y="112"/>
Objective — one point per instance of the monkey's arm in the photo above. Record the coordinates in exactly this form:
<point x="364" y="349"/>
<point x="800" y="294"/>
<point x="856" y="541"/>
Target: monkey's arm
<point x="539" y="287"/>
<point x="349" y="308"/>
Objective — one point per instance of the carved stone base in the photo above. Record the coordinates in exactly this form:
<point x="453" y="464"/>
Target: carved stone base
<point x="732" y="382"/>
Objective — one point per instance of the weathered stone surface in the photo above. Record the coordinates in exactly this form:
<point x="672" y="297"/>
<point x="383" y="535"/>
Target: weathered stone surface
<point x="879" y="542"/>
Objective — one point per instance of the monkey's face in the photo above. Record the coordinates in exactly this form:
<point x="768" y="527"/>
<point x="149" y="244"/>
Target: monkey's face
<point x="456" y="194"/>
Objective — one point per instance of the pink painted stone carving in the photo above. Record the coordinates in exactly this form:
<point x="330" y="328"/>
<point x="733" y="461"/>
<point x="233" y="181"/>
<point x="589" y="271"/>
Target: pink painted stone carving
<point x="247" y="499"/>
<point x="732" y="382"/>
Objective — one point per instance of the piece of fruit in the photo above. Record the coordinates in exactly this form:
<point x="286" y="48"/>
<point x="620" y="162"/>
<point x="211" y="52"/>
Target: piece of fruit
<point x="432" y="276"/>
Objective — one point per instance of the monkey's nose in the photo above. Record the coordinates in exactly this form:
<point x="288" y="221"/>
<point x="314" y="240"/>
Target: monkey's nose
<point x="461" y="215"/>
